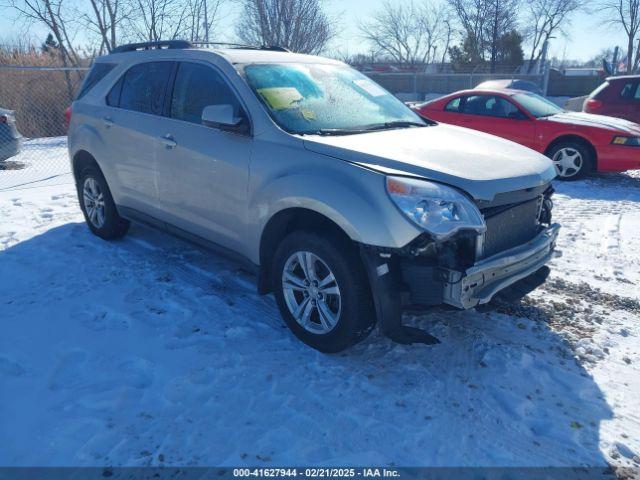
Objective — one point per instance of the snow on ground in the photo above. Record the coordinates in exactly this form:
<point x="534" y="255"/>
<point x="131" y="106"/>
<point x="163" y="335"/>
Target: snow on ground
<point x="151" y="351"/>
<point x="42" y="161"/>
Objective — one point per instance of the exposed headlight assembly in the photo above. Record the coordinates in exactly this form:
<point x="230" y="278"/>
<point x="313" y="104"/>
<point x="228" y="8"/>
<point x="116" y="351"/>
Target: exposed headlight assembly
<point x="440" y="210"/>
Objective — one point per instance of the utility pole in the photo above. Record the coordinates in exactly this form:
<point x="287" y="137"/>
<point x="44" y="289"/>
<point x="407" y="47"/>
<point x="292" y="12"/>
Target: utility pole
<point x="545" y="66"/>
<point x="206" y="22"/>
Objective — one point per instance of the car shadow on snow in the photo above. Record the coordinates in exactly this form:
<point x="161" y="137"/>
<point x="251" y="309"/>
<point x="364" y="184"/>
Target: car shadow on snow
<point x="150" y="344"/>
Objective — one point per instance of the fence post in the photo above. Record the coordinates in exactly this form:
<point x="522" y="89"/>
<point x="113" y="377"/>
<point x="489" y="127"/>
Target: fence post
<point x="545" y="79"/>
<point x="471" y="76"/>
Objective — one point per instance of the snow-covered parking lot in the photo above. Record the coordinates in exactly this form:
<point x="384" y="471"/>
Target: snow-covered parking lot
<point x="151" y="351"/>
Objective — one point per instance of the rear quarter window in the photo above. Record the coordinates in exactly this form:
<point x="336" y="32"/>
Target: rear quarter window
<point x="113" y="98"/>
<point x="97" y="73"/>
<point x="453" y="105"/>
<point x="599" y="90"/>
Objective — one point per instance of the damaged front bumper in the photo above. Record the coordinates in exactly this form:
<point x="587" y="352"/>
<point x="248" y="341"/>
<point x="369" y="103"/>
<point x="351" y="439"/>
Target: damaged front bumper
<point x="479" y="283"/>
<point x="399" y="281"/>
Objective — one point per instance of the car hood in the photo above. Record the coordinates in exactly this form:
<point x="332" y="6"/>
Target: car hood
<point x="478" y="163"/>
<point x="597" y="121"/>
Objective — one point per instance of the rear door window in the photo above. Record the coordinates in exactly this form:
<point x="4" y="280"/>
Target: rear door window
<point x="197" y="86"/>
<point x="144" y="87"/>
<point x="97" y="73"/>
<point x="627" y="90"/>
<point x="630" y="91"/>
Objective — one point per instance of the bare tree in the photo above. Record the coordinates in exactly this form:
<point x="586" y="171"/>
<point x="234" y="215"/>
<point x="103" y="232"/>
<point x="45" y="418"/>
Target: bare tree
<point x="105" y="18"/>
<point x="154" y="20"/>
<point x="501" y="20"/>
<point x="544" y="19"/>
<point x="408" y="32"/>
<point x="299" y="25"/>
<point x="484" y="24"/>
<point x="448" y="29"/>
<point x="53" y="15"/>
<point x="149" y="20"/>
<point x="202" y="18"/>
<point x="625" y="14"/>
<point x="472" y="17"/>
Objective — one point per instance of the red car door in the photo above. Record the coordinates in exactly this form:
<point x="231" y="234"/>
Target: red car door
<point x="451" y="113"/>
<point x="498" y="116"/>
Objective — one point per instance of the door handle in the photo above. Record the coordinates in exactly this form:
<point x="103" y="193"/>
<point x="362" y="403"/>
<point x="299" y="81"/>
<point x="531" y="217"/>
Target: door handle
<point x="108" y="122"/>
<point x="169" y="141"/>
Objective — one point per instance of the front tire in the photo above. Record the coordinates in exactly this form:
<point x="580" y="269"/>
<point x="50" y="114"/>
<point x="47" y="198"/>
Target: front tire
<point x="573" y="160"/>
<point x="322" y="291"/>
<point x="98" y="206"/>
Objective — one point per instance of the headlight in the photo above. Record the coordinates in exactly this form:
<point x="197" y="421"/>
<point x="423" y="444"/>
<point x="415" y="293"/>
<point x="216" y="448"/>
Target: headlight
<point x="438" y="209"/>
<point x="628" y="141"/>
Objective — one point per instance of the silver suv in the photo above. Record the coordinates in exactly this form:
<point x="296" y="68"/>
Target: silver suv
<point x="347" y="205"/>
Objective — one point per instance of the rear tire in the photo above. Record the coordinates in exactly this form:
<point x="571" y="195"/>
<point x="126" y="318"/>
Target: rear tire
<point x="329" y="309"/>
<point x="573" y="160"/>
<point x="98" y="206"/>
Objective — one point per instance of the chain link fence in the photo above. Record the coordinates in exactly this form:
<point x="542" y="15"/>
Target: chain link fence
<point x="33" y="143"/>
<point x="420" y="86"/>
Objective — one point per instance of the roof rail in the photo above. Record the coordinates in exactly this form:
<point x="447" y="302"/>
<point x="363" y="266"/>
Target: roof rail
<point x="274" y="48"/>
<point x="169" y="44"/>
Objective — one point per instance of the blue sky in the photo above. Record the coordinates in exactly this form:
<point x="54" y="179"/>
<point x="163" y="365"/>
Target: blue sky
<point x="585" y="36"/>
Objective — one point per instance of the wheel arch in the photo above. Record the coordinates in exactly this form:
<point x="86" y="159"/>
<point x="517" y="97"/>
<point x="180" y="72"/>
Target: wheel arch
<point x="81" y="160"/>
<point x="284" y="222"/>
<point x="578" y="139"/>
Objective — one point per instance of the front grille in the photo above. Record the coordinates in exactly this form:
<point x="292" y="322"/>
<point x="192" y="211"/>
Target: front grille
<point x="510" y="226"/>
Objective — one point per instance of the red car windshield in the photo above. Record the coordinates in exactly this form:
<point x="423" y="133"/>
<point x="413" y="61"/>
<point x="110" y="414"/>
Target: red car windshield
<point x="536" y="105"/>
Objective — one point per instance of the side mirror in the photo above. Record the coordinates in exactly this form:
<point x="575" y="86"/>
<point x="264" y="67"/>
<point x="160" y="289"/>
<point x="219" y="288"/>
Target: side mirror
<point x="222" y="117"/>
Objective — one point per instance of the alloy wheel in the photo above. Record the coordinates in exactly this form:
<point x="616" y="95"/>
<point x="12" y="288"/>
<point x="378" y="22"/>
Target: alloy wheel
<point x="93" y="202"/>
<point x="311" y="292"/>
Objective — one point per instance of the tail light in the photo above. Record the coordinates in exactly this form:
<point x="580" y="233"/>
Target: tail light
<point x="67" y="117"/>
<point x="593" y="104"/>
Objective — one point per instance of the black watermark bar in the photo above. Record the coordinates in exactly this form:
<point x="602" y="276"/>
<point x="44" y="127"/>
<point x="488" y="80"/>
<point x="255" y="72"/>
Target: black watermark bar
<point x="397" y="473"/>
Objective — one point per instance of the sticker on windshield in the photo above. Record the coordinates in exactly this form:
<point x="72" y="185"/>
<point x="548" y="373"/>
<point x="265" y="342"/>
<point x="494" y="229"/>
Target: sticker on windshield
<point x="370" y="87"/>
<point x="308" y="114"/>
<point x="280" y="98"/>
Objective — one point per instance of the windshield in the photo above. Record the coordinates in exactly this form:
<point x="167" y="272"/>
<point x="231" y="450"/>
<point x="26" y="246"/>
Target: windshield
<point x="326" y="99"/>
<point x="536" y="105"/>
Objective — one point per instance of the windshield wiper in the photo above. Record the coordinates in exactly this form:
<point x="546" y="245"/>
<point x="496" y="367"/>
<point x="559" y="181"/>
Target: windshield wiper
<point x="354" y="131"/>
<point x="395" y="124"/>
<point x="333" y="131"/>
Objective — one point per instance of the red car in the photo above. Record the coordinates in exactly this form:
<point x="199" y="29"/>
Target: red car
<point x="617" y="97"/>
<point x="577" y="142"/>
